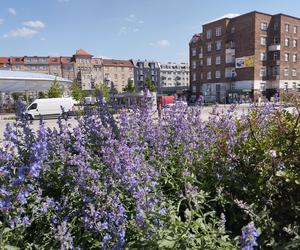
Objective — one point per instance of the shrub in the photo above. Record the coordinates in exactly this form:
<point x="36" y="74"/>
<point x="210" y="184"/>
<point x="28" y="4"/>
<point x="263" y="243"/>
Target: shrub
<point x="179" y="182"/>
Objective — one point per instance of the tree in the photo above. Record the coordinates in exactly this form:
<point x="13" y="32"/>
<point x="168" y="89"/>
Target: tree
<point x="149" y="84"/>
<point x="41" y="95"/>
<point x="55" y="90"/>
<point x="129" y="88"/>
<point x="76" y="91"/>
<point x="104" y="90"/>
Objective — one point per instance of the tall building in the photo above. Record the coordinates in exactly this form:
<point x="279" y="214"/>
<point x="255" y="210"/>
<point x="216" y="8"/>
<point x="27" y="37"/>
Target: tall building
<point x="174" y="77"/>
<point x="144" y="70"/>
<point x="249" y="56"/>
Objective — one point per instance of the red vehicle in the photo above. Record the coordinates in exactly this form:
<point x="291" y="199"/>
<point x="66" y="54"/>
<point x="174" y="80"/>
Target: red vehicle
<point x="165" y="100"/>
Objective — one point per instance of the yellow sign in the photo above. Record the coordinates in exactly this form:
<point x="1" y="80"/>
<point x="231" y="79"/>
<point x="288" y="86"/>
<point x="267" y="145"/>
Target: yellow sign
<point x="244" y="62"/>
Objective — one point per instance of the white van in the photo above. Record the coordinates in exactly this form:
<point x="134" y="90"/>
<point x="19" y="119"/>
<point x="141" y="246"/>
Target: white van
<point x="49" y="107"/>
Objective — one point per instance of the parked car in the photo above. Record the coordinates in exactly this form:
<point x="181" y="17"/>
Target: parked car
<point x="50" y="107"/>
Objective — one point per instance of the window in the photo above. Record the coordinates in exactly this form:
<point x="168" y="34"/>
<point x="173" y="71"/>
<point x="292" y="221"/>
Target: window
<point x="33" y="106"/>
<point x="194" y="51"/>
<point x="218" y="74"/>
<point x="218" y="60"/>
<point x="201" y="75"/>
<point x="194" y="64"/>
<point x="218" y="45"/>
<point x="286" y="72"/>
<point x="295" y="43"/>
<point x="263" y="56"/>
<point x="208" y="34"/>
<point x="295" y="58"/>
<point x="286" y="57"/>
<point x="276" y="56"/>
<point x="275" y="26"/>
<point x="201" y="62"/>
<point x="263" y="26"/>
<point x="286" y="42"/>
<point x="286" y="27"/>
<point x="294" y="72"/>
<point x="218" y="31"/>
<point x="208" y="75"/>
<point x="208" y="61"/>
<point x="263" y="40"/>
<point x="295" y="29"/>
<point x="209" y="47"/>
<point x="263" y="71"/>
<point x="232" y="30"/>
<point x="194" y="77"/>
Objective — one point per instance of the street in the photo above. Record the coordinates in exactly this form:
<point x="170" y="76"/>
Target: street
<point x="52" y="123"/>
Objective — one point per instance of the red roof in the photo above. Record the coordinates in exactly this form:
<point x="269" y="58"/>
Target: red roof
<point x="65" y="60"/>
<point x="81" y="52"/>
<point x="117" y="63"/>
<point x="4" y="60"/>
<point x="53" y="60"/>
<point x="17" y="60"/>
<point x="97" y="61"/>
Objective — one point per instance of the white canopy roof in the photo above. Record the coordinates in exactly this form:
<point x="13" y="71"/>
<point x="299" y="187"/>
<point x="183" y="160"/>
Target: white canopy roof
<point x="24" y="75"/>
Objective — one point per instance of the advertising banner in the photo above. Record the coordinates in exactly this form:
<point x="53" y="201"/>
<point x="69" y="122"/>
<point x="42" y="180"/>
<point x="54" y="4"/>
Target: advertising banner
<point x="244" y="62"/>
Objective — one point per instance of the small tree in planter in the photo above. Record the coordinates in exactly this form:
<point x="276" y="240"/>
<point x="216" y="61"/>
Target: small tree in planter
<point x="129" y="88"/>
<point x="55" y="90"/>
<point x="150" y="85"/>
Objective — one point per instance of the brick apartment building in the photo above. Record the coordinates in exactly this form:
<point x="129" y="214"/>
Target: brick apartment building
<point x="251" y="55"/>
<point x="82" y="66"/>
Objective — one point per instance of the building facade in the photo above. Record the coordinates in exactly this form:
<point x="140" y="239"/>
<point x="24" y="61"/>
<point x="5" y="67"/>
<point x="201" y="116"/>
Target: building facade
<point x="144" y="70"/>
<point x="174" y="77"/>
<point x="249" y="56"/>
<point x="82" y="66"/>
<point x="117" y="73"/>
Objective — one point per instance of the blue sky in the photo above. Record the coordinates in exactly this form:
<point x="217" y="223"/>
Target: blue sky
<point x="121" y="29"/>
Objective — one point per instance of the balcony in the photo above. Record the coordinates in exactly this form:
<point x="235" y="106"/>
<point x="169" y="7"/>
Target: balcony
<point x="274" y="47"/>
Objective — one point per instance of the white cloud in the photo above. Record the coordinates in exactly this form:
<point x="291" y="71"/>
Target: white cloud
<point x="128" y="29"/>
<point x="34" y="24"/>
<point x="228" y="15"/>
<point x="1" y="21"/>
<point x="163" y="43"/>
<point x="43" y="39"/>
<point x="21" y="32"/>
<point x="12" y="11"/>
<point x="131" y="18"/>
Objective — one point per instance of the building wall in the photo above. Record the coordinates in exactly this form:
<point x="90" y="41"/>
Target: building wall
<point x="118" y="75"/>
<point x="144" y="70"/>
<point x="174" y="76"/>
<point x="250" y="35"/>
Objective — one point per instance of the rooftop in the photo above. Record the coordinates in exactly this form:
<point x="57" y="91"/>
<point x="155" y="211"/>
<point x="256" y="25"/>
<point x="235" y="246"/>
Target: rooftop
<point x="25" y="75"/>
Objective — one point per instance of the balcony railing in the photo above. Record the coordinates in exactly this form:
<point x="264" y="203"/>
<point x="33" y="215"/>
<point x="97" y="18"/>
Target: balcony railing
<point x="274" y="47"/>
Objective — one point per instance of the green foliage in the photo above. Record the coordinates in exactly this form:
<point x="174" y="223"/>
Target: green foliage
<point x="42" y="95"/>
<point x="104" y="90"/>
<point x="55" y="90"/>
<point x="77" y="92"/>
<point x="150" y="85"/>
<point x="129" y="87"/>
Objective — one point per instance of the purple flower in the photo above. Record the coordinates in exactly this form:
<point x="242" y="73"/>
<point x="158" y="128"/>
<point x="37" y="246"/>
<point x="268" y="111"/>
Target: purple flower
<point x="249" y="237"/>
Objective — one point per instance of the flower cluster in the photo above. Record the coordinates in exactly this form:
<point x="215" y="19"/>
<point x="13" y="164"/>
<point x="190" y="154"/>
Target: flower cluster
<point x="138" y="180"/>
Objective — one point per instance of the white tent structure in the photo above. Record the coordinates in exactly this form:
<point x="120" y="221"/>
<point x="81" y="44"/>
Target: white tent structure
<point x="28" y="83"/>
<point x="22" y="81"/>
